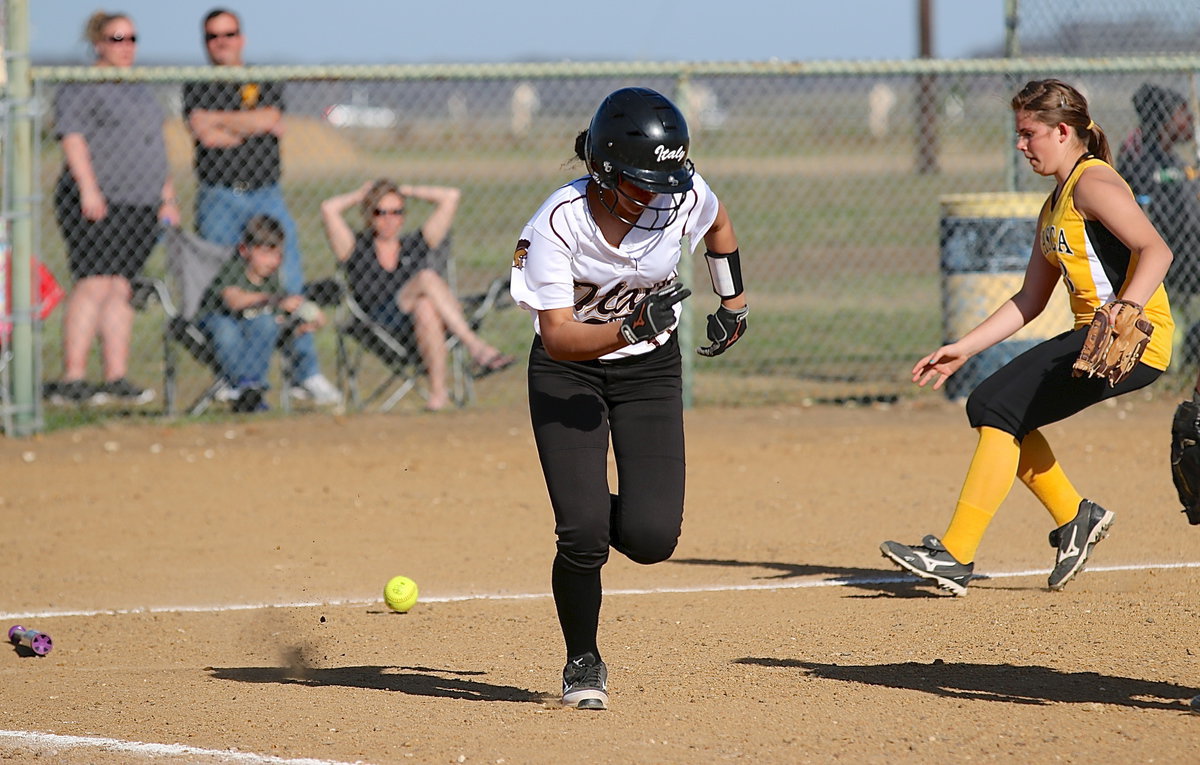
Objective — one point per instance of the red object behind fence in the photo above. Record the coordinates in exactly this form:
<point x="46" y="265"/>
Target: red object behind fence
<point x="48" y="290"/>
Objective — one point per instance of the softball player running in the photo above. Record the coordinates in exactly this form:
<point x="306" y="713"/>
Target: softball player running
<point x="596" y="268"/>
<point x="1095" y="237"/>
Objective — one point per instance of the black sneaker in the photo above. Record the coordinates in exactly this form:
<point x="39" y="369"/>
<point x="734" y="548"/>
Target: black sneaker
<point x="123" y="391"/>
<point x="931" y="560"/>
<point x="585" y="683"/>
<point x="251" y="400"/>
<point x="1075" y="540"/>
<point x="61" y="393"/>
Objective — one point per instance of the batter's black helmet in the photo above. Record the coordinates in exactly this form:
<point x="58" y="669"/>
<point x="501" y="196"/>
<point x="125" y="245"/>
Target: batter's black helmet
<point x="639" y="136"/>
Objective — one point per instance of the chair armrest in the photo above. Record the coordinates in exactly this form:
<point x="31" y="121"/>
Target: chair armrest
<point x="144" y="289"/>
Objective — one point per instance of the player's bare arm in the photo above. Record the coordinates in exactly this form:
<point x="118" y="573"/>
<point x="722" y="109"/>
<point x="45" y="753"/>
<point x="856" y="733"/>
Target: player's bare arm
<point x="1025" y="305"/>
<point x="569" y="340"/>
<point x="720" y="238"/>
<point x="728" y="323"/>
<point x="1101" y="195"/>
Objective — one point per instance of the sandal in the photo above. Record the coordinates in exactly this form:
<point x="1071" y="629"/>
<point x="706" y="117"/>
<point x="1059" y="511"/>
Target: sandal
<point x="497" y="362"/>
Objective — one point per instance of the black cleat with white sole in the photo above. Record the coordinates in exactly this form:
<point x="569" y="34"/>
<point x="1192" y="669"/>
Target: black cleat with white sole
<point x="931" y="560"/>
<point x="585" y="683"/>
<point x="1075" y="540"/>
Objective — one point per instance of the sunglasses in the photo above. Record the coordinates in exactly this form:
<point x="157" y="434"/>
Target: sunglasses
<point x="122" y="38"/>
<point x="397" y="212"/>
<point x="210" y="36"/>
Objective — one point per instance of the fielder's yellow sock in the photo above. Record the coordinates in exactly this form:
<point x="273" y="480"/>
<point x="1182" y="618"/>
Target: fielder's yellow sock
<point x="1040" y="471"/>
<point x="988" y="482"/>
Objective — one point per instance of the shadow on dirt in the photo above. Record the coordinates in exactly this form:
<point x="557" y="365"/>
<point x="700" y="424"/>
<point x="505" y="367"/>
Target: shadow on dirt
<point x="415" y="681"/>
<point x="25" y="651"/>
<point x="883" y="581"/>
<point x="1014" y="684"/>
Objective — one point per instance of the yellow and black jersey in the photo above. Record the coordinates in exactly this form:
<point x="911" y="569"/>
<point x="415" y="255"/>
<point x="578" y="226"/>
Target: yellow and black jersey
<point x="1095" y="266"/>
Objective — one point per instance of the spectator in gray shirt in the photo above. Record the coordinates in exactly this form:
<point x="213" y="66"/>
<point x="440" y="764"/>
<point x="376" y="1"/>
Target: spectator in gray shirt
<point x="113" y="191"/>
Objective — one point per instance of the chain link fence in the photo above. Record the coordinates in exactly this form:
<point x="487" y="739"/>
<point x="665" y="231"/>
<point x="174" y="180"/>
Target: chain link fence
<point x="838" y="176"/>
<point x="1104" y="27"/>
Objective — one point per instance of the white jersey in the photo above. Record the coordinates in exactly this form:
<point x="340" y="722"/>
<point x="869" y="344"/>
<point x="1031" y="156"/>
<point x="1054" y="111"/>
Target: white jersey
<point x="563" y="261"/>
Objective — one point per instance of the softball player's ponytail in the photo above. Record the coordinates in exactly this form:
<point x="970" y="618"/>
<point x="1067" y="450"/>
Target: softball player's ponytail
<point x="1054" y="102"/>
<point x="1097" y="141"/>
<point x="581" y="145"/>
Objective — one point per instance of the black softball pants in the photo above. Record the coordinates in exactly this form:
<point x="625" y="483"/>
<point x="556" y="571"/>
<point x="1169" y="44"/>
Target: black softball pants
<point x="576" y="408"/>
<point x="1037" y="388"/>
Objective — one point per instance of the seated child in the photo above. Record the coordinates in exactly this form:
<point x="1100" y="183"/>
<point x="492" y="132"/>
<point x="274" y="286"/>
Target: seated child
<point x="243" y="308"/>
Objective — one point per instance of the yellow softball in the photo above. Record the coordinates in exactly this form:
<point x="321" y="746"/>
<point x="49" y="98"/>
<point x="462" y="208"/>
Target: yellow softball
<point x="400" y="593"/>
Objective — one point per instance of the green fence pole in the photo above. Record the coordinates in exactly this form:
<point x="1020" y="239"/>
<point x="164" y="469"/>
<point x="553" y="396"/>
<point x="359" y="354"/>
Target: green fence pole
<point x="21" y="177"/>
<point x="686" y="270"/>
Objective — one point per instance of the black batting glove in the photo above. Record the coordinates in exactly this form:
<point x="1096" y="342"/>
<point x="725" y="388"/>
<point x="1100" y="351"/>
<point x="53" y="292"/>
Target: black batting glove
<point x="653" y="314"/>
<point x="725" y="328"/>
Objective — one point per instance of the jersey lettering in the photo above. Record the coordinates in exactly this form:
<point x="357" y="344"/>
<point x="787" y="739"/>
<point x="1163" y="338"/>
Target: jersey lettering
<point x="1054" y="239"/>
<point x="1067" y="278"/>
<point x="1048" y="240"/>
<point x="618" y="302"/>
<point x="1063" y="247"/>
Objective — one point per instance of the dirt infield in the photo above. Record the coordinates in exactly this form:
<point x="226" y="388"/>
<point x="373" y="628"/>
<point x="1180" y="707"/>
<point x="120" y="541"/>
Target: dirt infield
<point x="214" y="594"/>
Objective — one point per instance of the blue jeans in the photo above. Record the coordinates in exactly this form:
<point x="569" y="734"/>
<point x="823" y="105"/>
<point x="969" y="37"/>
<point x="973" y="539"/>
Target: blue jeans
<point x="242" y="346"/>
<point x="221" y="215"/>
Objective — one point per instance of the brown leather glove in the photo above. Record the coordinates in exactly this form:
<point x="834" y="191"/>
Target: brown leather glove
<point x="1115" y="341"/>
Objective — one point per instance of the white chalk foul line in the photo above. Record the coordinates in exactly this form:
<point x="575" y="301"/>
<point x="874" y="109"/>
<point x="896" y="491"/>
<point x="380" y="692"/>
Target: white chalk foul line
<point x="837" y="581"/>
<point x="51" y="740"/>
<point x="43" y="741"/>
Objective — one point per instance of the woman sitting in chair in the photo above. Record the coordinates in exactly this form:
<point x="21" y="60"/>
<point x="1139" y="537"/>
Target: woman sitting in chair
<point x="390" y="277"/>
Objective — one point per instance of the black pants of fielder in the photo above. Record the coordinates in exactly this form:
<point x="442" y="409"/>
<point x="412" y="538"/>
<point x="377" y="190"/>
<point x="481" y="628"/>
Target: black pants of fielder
<point x="576" y="408"/>
<point x="1038" y="388"/>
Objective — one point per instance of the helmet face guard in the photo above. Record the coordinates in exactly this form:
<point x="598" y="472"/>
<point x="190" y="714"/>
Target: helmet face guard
<point x="640" y="137"/>
<point x="664" y="206"/>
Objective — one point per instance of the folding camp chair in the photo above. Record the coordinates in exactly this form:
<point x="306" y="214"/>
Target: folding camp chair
<point x="192" y="263"/>
<point x="360" y="337"/>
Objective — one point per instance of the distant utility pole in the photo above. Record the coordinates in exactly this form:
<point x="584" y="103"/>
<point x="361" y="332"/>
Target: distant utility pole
<point x="1012" y="49"/>
<point x="927" y="126"/>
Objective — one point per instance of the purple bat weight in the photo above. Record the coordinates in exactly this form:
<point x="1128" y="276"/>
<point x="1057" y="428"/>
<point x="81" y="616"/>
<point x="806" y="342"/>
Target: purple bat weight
<point x="39" y="642"/>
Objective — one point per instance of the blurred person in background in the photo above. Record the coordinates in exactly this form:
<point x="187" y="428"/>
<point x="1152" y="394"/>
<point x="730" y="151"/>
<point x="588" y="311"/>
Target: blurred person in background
<point x="1167" y="189"/>
<point x="243" y="308"/>
<point x="113" y="191"/>
<point x="390" y="276"/>
<point x="236" y="127"/>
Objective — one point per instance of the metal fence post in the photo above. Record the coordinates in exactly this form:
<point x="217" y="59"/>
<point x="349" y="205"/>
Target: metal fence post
<point x="21" y="178"/>
<point x="686" y="324"/>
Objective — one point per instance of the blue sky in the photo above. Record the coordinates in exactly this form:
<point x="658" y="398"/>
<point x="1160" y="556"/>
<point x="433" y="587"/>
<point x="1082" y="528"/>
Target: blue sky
<point x="445" y="31"/>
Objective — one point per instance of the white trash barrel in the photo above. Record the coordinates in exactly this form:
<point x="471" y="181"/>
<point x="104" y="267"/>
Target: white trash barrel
<point x="985" y="244"/>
